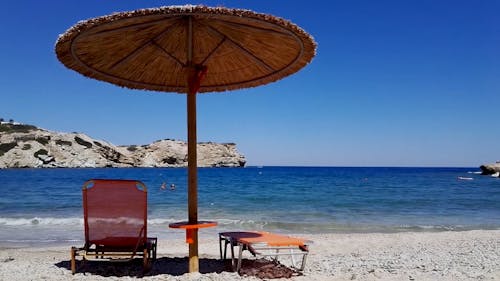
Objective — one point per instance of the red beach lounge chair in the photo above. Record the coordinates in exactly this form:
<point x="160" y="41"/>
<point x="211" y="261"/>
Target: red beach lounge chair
<point x="264" y="244"/>
<point x="115" y="221"/>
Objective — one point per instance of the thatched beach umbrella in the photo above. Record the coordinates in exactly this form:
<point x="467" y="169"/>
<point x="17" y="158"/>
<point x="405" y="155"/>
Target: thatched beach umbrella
<point x="188" y="50"/>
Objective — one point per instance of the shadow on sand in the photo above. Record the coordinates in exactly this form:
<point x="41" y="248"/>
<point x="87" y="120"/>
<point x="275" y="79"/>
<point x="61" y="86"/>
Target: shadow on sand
<point x="164" y="265"/>
<point x="261" y="268"/>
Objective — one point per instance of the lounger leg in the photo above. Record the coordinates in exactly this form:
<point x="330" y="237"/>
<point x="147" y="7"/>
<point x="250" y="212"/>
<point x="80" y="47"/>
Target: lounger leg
<point x="233" y="263"/>
<point x="303" y="262"/>
<point x="73" y="260"/>
<point x="240" y="256"/>
<point x="220" y="247"/>
<point x="225" y="247"/>
<point x="292" y="257"/>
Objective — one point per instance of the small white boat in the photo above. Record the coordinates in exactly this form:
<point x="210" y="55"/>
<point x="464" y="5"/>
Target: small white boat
<point x="465" y="178"/>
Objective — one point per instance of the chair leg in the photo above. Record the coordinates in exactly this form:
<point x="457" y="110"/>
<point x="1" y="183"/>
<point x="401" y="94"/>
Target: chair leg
<point x="145" y="260"/>
<point x="152" y="252"/>
<point x="151" y="247"/>
<point x="73" y="260"/>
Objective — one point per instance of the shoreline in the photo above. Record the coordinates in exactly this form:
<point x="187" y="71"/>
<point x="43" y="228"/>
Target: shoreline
<point x="444" y="255"/>
<point x="74" y="236"/>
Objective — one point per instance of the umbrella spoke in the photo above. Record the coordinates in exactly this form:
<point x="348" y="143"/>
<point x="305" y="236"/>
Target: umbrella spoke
<point x="150" y="42"/>
<point x="213" y="50"/>
<point x="168" y="54"/>
<point x="241" y="48"/>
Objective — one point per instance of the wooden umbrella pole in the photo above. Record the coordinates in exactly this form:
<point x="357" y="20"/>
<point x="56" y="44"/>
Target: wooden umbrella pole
<point x="192" y="153"/>
<point x="195" y="74"/>
<point x="192" y="181"/>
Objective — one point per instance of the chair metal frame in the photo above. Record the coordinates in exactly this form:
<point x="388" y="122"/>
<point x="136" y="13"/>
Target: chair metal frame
<point x="262" y="249"/>
<point x="145" y="246"/>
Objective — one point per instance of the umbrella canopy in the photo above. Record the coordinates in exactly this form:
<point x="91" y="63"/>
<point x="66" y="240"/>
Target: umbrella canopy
<point x="186" y="49"/>
<point x="150" y="49"/>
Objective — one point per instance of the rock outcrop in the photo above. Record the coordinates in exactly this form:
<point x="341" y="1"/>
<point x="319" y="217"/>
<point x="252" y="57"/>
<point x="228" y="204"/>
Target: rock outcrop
<point x="26" y="146"/>
<point x="490" y="169"/>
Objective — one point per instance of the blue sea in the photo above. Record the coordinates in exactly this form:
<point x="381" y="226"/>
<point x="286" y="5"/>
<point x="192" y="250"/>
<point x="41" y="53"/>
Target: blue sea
<point x="39" y="206"/>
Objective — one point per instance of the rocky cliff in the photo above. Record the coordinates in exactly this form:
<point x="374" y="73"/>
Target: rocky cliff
<point x="491" y="169"/>
<point x="26" y="146"/>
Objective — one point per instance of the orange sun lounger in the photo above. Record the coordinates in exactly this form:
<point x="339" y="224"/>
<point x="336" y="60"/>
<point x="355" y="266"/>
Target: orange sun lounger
<point x="264" y="244"/>
<point x="115" y="222"/>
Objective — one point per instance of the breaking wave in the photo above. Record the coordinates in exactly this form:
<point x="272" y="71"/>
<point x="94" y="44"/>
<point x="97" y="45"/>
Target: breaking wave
<point x="40" y="221"/>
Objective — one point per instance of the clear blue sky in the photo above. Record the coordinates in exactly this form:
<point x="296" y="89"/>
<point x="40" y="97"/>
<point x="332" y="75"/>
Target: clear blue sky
<point x="394" y="83"/>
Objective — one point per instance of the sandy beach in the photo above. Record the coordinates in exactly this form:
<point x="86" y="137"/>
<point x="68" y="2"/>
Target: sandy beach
<point x="467" y="255"/>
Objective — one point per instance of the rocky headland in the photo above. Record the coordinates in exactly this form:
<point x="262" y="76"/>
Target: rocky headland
<point x="491" y="169"/>
<point x="26" y="146"/>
